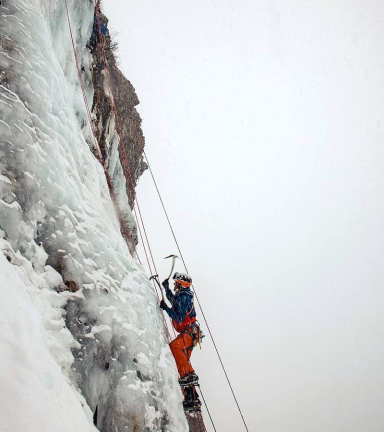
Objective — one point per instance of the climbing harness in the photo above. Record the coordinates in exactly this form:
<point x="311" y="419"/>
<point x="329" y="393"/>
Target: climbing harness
<point x="196" y="334"/>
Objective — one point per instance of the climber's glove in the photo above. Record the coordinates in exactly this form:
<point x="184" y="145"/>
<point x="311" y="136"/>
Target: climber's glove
<point x="165" y="284"/>
<point x="163" y="305"/>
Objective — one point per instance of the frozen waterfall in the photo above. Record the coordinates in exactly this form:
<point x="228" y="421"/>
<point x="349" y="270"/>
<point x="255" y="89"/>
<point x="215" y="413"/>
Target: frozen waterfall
<point x="102" y="342"/>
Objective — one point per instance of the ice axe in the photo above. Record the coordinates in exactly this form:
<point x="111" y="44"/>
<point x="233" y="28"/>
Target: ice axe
<point x="173" y="264"/>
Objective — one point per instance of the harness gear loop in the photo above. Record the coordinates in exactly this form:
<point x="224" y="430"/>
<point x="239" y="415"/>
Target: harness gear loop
<point x="196" y="334"/>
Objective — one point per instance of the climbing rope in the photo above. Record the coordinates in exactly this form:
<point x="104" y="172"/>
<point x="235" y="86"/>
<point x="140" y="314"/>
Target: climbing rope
<point x="131" y="190"/>
<point x="123" y="153"/>
<point x="132" y="193"/>
<point x="206" y="407"/>
<point x="194" y="290"/>
<point x="166" y="213"/>
<point x="123" y="224"/>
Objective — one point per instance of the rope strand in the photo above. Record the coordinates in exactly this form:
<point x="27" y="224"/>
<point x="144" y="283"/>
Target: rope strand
<point x="132" y="191"/>
<point x="197" y="298"/>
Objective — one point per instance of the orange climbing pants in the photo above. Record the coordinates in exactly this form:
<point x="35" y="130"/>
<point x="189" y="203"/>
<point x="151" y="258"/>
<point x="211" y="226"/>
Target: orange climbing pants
<point x="182" y="354"/>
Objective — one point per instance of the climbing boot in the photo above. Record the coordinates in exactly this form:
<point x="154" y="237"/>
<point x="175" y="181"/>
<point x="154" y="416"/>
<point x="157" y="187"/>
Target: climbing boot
<point x="189" y="379"/>
<point x="191" y="399"/>
<point x="191" y="406"/>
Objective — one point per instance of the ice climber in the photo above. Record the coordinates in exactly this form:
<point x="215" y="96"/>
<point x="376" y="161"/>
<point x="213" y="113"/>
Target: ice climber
<point x="183" y="316"/>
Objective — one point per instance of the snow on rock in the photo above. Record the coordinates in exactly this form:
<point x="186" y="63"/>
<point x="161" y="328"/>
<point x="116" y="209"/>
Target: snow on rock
<point x="80" y="323"/>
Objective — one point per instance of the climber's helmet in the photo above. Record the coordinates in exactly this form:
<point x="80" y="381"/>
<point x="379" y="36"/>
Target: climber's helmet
<point x="182" y="280"/>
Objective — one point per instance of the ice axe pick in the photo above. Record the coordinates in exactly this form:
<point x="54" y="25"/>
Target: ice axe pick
<point x="156" y="279"/>
<point x="173" y="263"/>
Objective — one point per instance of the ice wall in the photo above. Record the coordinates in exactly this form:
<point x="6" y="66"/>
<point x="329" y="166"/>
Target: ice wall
<point x="103" y="344"/>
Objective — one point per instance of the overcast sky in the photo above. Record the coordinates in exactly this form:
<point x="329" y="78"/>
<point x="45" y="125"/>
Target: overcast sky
<point x="264" y="127"/>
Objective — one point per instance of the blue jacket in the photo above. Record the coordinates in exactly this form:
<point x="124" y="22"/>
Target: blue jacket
<point x="182" y="305"/>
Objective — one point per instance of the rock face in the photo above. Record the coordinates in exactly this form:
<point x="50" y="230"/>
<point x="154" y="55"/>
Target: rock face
<point x="127" y="124"/>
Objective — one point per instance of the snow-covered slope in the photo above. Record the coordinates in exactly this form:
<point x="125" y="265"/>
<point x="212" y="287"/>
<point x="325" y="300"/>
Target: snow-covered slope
<point x="102" y="343"/>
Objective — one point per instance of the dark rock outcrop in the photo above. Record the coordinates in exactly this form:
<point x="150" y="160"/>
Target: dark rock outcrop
<point x="125" y="98"/>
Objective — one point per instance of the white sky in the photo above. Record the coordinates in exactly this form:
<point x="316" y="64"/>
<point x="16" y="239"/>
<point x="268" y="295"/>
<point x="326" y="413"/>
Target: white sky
<point x="264" y="127"/>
